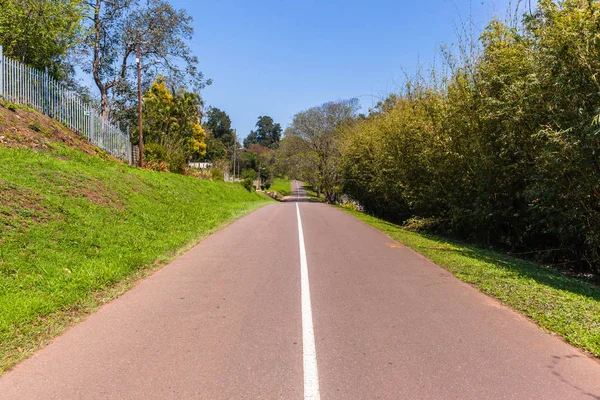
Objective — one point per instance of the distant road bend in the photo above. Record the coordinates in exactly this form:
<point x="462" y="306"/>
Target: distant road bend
<point x="300" y="300"/>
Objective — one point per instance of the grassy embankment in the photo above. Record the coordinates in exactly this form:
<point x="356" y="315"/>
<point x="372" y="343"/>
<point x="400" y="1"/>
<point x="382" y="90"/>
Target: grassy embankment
<point x="568" y="306"/>
<point x="282" y="186"/>
<point x="77" y="228"/>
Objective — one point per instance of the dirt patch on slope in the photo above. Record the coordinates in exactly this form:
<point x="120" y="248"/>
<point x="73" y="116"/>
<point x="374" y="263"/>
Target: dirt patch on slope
<point x="24" y="128"/>
<point x="79" y="186"/>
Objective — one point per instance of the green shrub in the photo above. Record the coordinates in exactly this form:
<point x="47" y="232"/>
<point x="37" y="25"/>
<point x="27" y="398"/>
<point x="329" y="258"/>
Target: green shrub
<point x="350" y="206"/>
<point x="249" y="174"/>
<point x="154" y="152"/>
<point x="267" y="185"/>
<point x="503" y="152"/>
<point x="176" y="162"/>
<point x="248" y="184"/>
<point x="217" y="175"/>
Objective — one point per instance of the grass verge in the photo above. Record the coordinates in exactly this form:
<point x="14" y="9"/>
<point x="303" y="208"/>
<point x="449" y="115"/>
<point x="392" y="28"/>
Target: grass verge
<point x="282" y="186"/>
<point x="77" y="230"/>
<point x="312" y="195"/>
<point x="561" y="304"/>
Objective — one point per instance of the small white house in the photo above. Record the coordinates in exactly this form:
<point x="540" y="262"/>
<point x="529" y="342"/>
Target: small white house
<point x="200" y="165"/>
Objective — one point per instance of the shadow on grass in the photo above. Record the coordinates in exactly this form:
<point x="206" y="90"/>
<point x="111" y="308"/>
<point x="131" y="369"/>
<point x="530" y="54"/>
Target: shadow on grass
<point x="541" y="274"/>
<point x="311" y="194"/>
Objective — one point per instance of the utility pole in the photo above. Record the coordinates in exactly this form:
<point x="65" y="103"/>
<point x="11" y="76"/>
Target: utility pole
<point x="238" y="167"/>
<point x="234" y="151"/>
<point x="139" y="73"/>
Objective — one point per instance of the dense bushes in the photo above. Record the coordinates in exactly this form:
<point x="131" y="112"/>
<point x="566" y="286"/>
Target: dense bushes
<point x="248" y="184"/>
<point x="217" y="175"/>
<point x="505" y="150"/>
<point x="172" y="129"/>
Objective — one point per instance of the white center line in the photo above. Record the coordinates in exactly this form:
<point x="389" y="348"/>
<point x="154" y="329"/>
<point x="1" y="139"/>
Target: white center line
<point x="311" y="374"/>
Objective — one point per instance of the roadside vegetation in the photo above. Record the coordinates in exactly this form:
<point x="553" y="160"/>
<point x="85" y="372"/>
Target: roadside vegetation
<point x="77" y="227"/>
<point x="556" y="301"/>
<point x="501" y="149"/>
<point x="312" y="194"/>
<point x="282" y="186"/>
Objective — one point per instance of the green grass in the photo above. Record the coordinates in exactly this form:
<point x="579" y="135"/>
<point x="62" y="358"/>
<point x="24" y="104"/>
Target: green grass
<point x="311" y="193"/>
<point x="565" y="305"/>
<point x="283" y="186"/>
<point x="77" y="230"/>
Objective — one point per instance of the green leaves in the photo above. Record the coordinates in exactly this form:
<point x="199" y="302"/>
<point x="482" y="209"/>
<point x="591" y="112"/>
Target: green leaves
<point x="172" y="121"/>
<point x="42" y="33"/>
<point x="267" y="134"/>
<point x="505" y="151"/>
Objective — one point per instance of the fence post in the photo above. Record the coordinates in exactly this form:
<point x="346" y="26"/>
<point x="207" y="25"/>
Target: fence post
<point x="20" y="83"/>
<point x="91" y="112"/>
<point x="1" y="73"/>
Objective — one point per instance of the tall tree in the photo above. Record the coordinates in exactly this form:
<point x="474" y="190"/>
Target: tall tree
<point x="42" y="33"/>
<point x="317" y="131"/>
<point x="215" y="149"/>
<point x="219" y="124"/>
<point x="116" y="27"/>
<point x="267" y="133"/>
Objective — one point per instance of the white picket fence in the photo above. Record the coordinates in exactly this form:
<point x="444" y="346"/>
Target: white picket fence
<point x="22" y="84"/>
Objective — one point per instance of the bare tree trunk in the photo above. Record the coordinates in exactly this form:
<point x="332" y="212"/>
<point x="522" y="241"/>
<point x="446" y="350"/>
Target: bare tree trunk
<point x="104" y="105"/>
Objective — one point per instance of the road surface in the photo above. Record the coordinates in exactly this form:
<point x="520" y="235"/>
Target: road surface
<point x="301" y="301"/>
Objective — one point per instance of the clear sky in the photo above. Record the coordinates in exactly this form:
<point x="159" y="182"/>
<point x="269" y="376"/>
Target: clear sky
<point x="280" y="57"/>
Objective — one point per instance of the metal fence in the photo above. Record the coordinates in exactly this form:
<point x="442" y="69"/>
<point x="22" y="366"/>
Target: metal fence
<point x="22" y="84"/>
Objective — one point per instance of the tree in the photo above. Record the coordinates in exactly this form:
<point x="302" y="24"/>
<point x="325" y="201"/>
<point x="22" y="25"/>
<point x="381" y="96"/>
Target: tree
<point x="261" y="159"/>
<point x="318" y="130"/>
<point x="504" y="150"/>
<point x="117" y="26"/>
<point x="172" y="121"/>
<point x="219" y="124"/>
<point x="215" y="149"/>
<point x="42" y="33"/>
<point x="267" y="134"/>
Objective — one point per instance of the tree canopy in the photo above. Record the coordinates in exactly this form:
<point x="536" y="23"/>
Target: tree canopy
<point x="504" y="150"/>
<point x="267" y="133"/>
<point x="114" y="30"/>
<point x="219" y="124"/>
<point x="42" y="33"/>
<point x="317" y="132"/>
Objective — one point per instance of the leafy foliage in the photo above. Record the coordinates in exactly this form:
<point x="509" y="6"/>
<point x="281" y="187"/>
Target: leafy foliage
<point x="249" y="174"/>
<point x="504" y="150"/>
<point x="248" y="184"/>
<point x="219" y="125"/>
<point x="215" y="149"/>
<point x="42" y="33"/>
<point x="172" y="124"/>
<point x="216" y="174"/>
<point x="267" y="133"/>
<point x="161" y="31"/>
<point x="312" y="146"/>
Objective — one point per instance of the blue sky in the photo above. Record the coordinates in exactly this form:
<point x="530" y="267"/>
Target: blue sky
<point x="280" y="57"/>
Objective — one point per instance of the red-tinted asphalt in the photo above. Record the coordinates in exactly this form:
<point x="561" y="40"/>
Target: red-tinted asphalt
<point x="224" y="321"/>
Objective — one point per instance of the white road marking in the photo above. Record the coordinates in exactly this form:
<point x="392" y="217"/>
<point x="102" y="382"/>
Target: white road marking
<point x="311" y="374"/>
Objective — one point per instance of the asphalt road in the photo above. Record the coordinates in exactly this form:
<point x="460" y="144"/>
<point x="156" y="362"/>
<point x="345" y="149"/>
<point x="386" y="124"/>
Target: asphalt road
<point x="334" y="310"/>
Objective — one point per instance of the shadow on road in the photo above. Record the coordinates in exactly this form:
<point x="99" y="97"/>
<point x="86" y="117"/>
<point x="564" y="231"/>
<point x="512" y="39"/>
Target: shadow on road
<point x="298" y="194"/>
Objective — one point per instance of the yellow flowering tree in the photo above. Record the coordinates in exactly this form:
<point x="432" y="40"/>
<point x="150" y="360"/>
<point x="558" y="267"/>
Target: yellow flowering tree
<point x="172" y="130"/>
